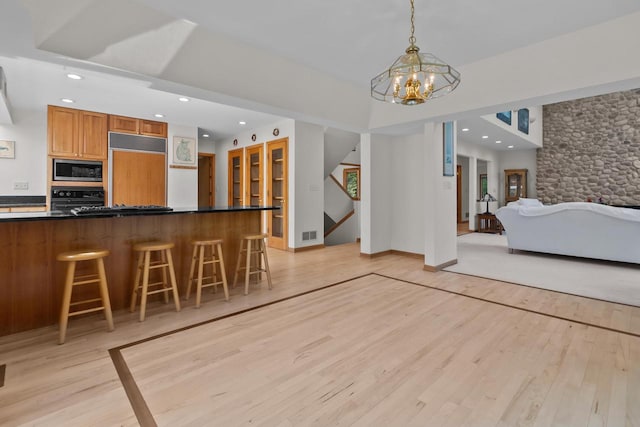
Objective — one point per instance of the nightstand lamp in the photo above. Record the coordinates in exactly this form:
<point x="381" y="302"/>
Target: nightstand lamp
<point x="488" y="198"/>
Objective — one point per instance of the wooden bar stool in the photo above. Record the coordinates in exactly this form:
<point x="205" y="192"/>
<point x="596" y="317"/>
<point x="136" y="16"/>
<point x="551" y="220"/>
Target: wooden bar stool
<point x="252" y="251"/>
<point x="145" y="265"/>
<point x="72" y="280"/>
<point x="201" y="257"/>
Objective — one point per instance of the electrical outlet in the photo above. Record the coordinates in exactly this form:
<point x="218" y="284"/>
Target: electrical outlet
<point x="20" y="185"/>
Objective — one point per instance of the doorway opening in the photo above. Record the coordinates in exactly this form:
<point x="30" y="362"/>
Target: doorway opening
<point x="206" y="180"/>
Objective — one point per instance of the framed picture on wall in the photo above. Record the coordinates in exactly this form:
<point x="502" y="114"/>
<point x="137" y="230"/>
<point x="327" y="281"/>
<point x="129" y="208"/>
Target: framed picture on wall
<point x="184" y="151"/>
<point x="523" y="120"/>
<point x="447" y="152"/>
<point x="7" y="149"/>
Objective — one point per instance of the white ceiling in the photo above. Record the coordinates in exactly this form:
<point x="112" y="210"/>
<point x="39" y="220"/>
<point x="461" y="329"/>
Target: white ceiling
<point x="350" y="40"/>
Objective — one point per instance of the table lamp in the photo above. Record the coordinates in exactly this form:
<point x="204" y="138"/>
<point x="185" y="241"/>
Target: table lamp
<point x="488" y="198"/>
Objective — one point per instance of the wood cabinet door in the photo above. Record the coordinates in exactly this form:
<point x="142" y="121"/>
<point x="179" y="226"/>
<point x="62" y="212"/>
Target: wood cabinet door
<point x="236" y="177"/>
<point x="62" y="131"/>
<point x="93" y="135"/>
<point x="253" y="175"/>
<point x="139" y="178"/>
<point x="515" y="184"/>
<point x="277" y="192"/>
<point x="124" y="124"/>
<point x="153" y="128"/>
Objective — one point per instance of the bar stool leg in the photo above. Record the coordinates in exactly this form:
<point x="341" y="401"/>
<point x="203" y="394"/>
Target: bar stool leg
<point x="134" y="294"/>
<point x="104" y="294"/>
<point x="200" y="272"/>
<point x="235" y="276"/>
<point x="266" y="262"/>
<point x="224" y="275"/>
<point x="165" y="282"/>
<point x="145" y="285"/>
<point x="172" y="274"/>
<point x="192" y="270"/>
<point x="214" y="270"/>
<point x="66" y="301"/>
<point x="247" y="271"/>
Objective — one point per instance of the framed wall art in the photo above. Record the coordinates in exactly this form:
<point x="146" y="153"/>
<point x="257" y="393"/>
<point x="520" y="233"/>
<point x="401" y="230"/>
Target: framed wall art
<point x="184" y="151"/>
<point x="447" y="152"/>
<point x="7" y="149"/>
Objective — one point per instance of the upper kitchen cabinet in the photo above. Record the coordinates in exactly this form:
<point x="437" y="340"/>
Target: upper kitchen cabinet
<point x="76" y="133"/>
<point x="124" y="124"/>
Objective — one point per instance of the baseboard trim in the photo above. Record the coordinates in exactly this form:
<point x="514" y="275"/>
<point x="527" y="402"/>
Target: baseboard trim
<point x="392" y="252"/>
<point x="439" y="267"/>
<point x="307" y="248"/>
<point x="407" y="254"/>
<point x="375" y="255"/>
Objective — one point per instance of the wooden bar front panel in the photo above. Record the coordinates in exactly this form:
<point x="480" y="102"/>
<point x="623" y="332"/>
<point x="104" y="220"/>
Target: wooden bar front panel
<point x="31" y="280"/>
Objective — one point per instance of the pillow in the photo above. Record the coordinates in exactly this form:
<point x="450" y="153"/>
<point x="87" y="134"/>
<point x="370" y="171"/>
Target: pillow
<point x="529" y="202"/>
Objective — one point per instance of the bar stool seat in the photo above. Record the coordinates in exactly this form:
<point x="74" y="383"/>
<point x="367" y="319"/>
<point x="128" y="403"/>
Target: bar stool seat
<point x="71" y="280"/>
<point x="141" y="283"/>
<point x="255" y="250"/>
<point x="201" y="258"/>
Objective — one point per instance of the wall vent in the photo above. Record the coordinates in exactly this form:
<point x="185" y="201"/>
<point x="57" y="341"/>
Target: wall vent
<point x="309" y="235"/>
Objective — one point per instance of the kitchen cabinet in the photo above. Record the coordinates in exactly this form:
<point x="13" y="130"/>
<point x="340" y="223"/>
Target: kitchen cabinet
<point x="139" y="178"/>
<point x="235" y="177"/>
<point x="277" y="192"/>
<point x="253" y="175"/>
<point x="75" y="133"/>
<point x="132" y="125"/>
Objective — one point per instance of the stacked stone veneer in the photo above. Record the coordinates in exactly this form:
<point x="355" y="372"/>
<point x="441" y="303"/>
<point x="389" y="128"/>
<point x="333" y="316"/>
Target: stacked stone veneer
<point x="591" y="149"/>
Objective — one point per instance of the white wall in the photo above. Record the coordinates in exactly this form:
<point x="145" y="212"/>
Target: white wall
<point x="535" y="125"/>
<point x="407" y="193"/>
<point x="182" y="184"/>
<point x="29" y="131"/>
<point x="306" y="178"/>
<point x="337" y="204"/>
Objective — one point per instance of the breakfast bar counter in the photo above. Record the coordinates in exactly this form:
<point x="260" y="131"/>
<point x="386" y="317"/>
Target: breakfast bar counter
<point x="31" y="280"/>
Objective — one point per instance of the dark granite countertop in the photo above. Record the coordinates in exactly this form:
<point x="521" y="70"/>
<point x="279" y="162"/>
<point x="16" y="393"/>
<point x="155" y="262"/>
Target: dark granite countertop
<point x="22" y="201"/>
<point x="58" y="215"/>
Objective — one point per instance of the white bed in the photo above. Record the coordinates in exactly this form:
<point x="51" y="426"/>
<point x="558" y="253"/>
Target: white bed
<point x="588" y="230"/>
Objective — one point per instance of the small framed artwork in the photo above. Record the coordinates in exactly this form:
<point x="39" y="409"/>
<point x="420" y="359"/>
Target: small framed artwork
<point x="505" y="116"/>
<point x="447" y="152"/>
<point x="523" y="120"/>
<point x="184" y="151"/>
<point x="7" y="149"/>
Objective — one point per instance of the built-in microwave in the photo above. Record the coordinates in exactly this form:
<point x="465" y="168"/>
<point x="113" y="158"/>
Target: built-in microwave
<point x="77" y="170"/>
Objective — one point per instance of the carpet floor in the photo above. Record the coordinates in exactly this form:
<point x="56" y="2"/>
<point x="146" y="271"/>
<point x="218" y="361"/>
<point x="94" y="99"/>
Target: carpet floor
<point x="486" y="255"/>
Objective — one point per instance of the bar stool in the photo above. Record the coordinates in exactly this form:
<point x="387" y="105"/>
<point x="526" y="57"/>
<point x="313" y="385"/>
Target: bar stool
<point x="252" y="252"/>
<point x="201" y="258"/>
<point x="72" y="280"/>
<point x="145" y="265"/>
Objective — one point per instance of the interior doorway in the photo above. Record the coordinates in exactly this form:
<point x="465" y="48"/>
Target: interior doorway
<point x="206" y="179"/>
<point x="459" y="193"/>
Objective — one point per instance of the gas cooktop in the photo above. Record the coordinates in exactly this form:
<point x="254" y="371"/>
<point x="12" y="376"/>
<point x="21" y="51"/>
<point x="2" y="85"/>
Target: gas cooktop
<point x="110" y="210"/>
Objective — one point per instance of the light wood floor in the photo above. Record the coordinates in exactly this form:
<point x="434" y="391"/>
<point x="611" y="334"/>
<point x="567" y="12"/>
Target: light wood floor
<point x="374" y="350"/>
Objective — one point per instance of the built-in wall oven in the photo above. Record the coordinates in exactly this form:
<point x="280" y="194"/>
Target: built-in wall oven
<point x="66" y="198"/>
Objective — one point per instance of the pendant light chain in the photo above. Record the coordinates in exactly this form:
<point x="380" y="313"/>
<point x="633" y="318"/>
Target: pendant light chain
<point x="412" y="39"/>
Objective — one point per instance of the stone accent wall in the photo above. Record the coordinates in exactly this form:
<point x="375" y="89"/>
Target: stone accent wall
<point x="591" y="149"/>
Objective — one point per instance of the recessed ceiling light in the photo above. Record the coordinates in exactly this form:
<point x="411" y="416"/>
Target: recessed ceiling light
<point x="74" y="76"/>
<point x="510" y="146"/>
<point x="205" y="135"/>
<point x="242" y="123"/>
<point x="498" y="142"/>
<point x="67" y="100"/>
<point x="465" y="129"/>
<point x="158" y="115"/>
<point x="183" y="99"/>
<point x="485" y="136"/>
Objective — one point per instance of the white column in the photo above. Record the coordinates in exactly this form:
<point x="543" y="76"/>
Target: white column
<point x="440" y="203"/>
<point x="473" y="191"/>
<point x="365" y="193"/>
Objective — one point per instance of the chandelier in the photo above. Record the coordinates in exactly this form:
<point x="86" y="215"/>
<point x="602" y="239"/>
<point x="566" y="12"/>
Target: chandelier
<point x="403" y="82"/>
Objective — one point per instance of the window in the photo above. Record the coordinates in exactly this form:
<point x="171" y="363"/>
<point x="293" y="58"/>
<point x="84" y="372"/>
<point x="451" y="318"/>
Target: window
<point x="351" y="182"/>
<point x="483" y="185"/>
